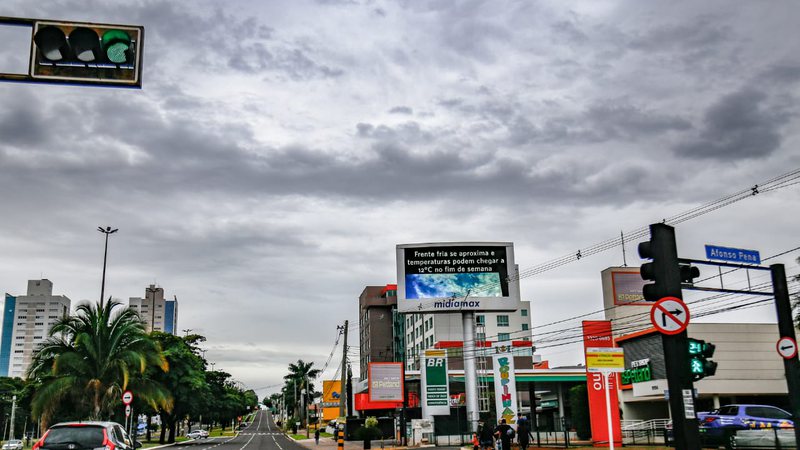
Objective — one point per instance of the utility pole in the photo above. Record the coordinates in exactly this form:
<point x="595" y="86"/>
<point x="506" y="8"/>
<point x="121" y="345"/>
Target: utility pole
<point x="786" y="330"/>
<point x="342" y="399"/>
<point x="305" y="404"/>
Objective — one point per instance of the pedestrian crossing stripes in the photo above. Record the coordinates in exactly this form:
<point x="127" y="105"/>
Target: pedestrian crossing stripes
<point x="260" y="434"/>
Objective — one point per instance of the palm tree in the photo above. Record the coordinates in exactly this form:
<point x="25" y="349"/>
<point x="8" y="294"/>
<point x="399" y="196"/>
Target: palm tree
<point x="91" y="358"/>
<point x="300" y="374"/>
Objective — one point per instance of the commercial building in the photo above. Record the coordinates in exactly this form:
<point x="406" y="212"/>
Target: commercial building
<point x="158" y="314"/>
<point x="380" y="326"/>
<point x="749" y="369"/>
<point x="27" y="320"/>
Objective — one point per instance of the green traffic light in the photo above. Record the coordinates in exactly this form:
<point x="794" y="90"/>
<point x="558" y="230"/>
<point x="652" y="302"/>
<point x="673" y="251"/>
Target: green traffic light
<point x="116" y="44"/>
<point x="695" y="346"/>
<point x="697" y="366"/>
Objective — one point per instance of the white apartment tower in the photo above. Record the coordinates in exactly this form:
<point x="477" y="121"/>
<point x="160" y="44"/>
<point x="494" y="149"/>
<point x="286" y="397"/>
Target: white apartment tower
<point x="27" y="320"/>
<point x="158" y="314"/>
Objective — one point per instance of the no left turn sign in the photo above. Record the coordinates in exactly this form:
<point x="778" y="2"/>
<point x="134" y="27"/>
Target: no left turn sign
<point x="127" y="397"/>
<point x="787" y="347"/>
<point x="669" y="315"/>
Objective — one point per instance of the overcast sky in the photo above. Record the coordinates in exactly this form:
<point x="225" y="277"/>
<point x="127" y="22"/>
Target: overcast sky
<point x="278" y="151"/>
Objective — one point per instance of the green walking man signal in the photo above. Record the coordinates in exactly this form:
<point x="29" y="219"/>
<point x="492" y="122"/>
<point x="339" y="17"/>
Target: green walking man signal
<point x="700" y="364"/>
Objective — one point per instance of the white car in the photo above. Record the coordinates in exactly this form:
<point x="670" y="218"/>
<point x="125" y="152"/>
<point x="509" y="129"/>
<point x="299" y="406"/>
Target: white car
<point x="197" y="434"/>
<point x="13" y="444"/>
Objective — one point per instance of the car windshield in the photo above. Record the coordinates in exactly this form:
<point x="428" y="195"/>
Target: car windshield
<point x="83" y="436"/>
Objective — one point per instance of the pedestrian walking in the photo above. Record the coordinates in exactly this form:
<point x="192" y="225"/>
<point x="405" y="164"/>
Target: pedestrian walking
<point x="523" y="432"/>
<point x="486" y="437"/>
<point x="476" y="444"/>
<point x="504" y="434"/>
<point x="316" y="436"/>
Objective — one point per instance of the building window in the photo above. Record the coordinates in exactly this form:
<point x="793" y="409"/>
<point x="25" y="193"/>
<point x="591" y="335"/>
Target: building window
<point x="503" y="337"/>
<point x="524" y="327"/>
<point x="480" y="319"/>
<point x="38" y="324"/>
<point x="502" y="320"/>
<point x="481" y="337"/>
<point x="524" y="312"/>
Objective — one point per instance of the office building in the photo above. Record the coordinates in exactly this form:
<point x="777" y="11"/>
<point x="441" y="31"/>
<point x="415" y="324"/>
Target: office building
<point x="27" y="320"/>
<point x="380" y="340"/>
<point x="157" y="313"/>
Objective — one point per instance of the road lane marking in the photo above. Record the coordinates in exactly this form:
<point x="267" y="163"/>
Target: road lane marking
<point x="276" y="443"/>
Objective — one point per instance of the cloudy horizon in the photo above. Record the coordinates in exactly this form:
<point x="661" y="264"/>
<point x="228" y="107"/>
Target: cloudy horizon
<point x="278" y="152"/>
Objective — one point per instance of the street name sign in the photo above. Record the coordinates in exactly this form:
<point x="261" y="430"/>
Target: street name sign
<point x="738" y="255"/>
<point x="670" y="315"/>
<point x="787" y="347"/>
<point x="610" y="359"/>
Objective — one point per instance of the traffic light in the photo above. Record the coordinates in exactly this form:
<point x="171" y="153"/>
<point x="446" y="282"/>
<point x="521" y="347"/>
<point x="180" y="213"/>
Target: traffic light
<point x="663" y="270"/>
<point x="689" y="273"/>
<point x="87" y="53"/>
<point x="700" y="365"/>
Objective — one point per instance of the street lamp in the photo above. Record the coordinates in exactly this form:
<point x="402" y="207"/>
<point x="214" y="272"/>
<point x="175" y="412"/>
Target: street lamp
<point x="106" y="231"/>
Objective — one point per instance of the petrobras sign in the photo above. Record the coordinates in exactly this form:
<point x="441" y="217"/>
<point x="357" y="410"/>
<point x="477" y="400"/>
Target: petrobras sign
<point x="505" y="384"/>
<point x="435" y="384"/>
<point x="457" y="276"/>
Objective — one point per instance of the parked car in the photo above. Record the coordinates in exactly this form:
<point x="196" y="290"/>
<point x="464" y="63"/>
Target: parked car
<point x="718" y="426"/>
<point x="86" y="436"/>
<point x="13" y="444"/>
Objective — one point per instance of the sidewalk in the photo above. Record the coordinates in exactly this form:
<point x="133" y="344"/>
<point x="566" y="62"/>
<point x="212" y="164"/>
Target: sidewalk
<point x="330" y="444"/>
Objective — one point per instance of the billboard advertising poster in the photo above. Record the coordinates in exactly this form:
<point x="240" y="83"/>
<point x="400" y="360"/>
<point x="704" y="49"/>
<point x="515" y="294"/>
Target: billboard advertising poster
<point x="386" y="382"/>
<point x="331" y="393"/>
<point x="435" y="385"/>
<point x="505" y="384"/>
<point x="628" y="287"/>
<point x="597" y="333"/>
<point x="456" y="276"/>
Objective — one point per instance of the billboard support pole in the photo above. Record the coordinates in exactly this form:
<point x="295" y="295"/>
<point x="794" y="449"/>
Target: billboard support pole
<point x="470" y="371"/>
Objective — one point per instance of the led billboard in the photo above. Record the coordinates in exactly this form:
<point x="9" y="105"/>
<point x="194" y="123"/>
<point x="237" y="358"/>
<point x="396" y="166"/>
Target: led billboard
<point x="456" y="276"/>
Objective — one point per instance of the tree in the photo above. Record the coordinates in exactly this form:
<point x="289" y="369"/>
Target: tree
<point x="185" y="380"/>
<point x="300" y="375"/>
<point x="89" y="360"/>
<point x="579" y="405"/>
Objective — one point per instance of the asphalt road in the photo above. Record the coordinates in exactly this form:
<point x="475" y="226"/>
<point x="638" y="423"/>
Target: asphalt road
<point x="261" y="434"/>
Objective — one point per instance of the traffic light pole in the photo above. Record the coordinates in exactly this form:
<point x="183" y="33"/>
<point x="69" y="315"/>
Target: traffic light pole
<point x="668" y="276"/>
<point x="786" y="329"/>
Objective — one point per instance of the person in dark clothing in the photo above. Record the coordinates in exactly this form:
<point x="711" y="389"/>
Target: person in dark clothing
<point x="486" y="437"/>
<point x="316" y="436"/>
<point x="523" y="430"/>
<point x="503" y="432"/>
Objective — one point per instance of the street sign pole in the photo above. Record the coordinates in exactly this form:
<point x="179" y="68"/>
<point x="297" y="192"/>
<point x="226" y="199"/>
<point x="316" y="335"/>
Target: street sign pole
<point x="606" y="375"/>
<point x="685" y="430"/>
<point x="786" y="330"/>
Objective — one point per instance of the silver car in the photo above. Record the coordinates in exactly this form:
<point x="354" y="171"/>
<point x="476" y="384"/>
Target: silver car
<point x="13" y="444"/>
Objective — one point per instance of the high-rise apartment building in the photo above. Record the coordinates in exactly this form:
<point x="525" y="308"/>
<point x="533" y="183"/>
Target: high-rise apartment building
<point x="27" y="320"/>
<point x="158" y="314"/>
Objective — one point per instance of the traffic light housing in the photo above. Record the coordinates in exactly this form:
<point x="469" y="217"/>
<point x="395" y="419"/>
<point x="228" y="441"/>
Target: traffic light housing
<point x="664" y="269"/>
<point x="86" y="53"/>
<point x="700" y="364"/>
<point x="689" y="273"/>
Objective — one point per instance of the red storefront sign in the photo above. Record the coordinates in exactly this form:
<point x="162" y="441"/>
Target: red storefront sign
<point x="597" y="333"/>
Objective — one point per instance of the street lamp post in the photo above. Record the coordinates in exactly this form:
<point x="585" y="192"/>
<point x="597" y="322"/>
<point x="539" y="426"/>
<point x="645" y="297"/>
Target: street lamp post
<point x="107" y="231"/>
